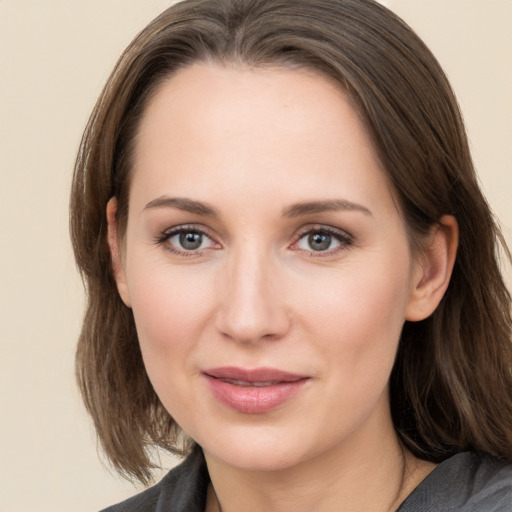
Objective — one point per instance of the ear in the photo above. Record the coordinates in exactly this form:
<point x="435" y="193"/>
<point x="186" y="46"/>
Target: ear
<point x="116" y="253"/>
<point x="433" y="269"/>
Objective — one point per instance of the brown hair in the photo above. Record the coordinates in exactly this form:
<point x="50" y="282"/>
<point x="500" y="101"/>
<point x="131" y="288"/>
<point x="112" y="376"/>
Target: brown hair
<point x="451" y="386"/>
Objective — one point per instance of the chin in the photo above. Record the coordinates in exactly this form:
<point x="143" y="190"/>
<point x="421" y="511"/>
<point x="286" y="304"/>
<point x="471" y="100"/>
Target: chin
<point x="257" y="450"/>
<point x="260" y="460"/>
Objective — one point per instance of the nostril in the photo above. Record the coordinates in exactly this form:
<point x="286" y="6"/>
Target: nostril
<point x="248" y="325"/>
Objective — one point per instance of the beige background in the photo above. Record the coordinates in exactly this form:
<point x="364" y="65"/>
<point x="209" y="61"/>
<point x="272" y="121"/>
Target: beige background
<point x="54" y="57"/>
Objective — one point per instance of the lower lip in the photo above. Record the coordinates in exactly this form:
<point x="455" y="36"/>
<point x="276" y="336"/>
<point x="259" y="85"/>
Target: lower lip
<point x="254" y="399"/>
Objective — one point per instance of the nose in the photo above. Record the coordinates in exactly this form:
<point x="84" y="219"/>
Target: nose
<point x="252" y="303"/>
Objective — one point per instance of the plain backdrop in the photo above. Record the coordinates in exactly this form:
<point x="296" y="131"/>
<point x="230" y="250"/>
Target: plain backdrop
<point x="55" y="56"/>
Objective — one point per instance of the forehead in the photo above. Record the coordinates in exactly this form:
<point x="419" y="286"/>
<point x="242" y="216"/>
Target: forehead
<point x="266" y="130"/>
<point x="238" y="100"/>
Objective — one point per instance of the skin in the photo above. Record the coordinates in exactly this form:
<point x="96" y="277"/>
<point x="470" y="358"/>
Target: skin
<point x="251" y="145"/>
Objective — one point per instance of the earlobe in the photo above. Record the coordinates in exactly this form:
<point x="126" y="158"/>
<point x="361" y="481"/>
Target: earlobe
<point x="433" y="269"/>
<point x="115" y="252"/>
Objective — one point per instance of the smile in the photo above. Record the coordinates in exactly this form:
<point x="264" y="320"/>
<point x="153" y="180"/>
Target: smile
<point x="253" y="391"/>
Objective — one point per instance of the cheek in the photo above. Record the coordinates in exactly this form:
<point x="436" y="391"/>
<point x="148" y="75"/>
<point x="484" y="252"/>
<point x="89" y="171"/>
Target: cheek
<point x="171" y="306"/>
<point x="358" y="312"/>
<point x="359" y="286"/>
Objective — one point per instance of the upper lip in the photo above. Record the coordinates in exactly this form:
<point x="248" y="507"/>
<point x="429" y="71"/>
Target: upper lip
<point x="253" y="375"/>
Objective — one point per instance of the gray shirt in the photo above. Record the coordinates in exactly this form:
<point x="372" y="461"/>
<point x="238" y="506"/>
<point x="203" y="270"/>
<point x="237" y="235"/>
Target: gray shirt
<point x="466" y="482"/>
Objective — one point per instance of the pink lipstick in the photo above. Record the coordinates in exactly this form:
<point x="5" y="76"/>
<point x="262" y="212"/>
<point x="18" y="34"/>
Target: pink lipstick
<point x="253" y="391"/>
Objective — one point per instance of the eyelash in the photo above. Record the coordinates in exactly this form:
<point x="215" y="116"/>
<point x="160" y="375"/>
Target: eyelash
<point x="344" y="239"/>
<point x="167" y="235"/>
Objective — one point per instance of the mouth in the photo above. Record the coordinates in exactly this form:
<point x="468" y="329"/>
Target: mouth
<point x="253" y="391"/>
<point x="246" y="384"/>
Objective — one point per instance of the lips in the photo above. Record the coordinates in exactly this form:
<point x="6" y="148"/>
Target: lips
<point x="253" y="391"/>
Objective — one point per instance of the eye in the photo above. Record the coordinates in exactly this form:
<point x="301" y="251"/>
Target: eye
<point x="318" y="242"/>
<point x="323" y="239"/>
<point x="186" y="240"/>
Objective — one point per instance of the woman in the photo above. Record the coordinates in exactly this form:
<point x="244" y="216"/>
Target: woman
<point x="292" y="273"/>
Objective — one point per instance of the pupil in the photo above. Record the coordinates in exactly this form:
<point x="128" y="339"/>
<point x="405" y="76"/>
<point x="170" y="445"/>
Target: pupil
<point x="190" y="240"/>
<point x="319" y="242"/>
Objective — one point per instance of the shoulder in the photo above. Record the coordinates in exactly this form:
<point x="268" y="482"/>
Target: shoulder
<point x="467" y="482"/>
<point x="145" y="501"/>
<point x="183" y="489"/>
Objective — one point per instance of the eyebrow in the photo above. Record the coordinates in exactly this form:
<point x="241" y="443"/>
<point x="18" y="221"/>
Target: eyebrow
<point x="295" y="210"/>
<point x="183" y="203"/>
<point x="306" y="208"/>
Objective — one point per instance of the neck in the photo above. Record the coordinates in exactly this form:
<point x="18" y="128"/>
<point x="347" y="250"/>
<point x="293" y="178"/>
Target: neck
<point x="376" y="475"/>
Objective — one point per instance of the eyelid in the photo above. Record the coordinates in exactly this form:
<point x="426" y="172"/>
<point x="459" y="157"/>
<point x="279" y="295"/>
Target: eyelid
<point x="345" y="238"/>
<point x="168" y="233"/>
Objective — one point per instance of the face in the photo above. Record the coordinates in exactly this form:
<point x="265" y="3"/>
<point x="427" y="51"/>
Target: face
<point x="267" y="265"/>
